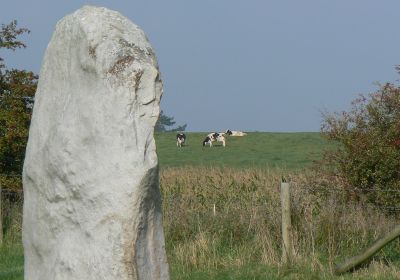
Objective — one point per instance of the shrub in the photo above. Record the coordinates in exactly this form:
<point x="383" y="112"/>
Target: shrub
<point x="368" y="155"/>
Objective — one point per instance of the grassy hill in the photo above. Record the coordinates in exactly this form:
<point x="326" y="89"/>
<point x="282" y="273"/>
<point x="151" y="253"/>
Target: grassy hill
<point x="257" y="149"/>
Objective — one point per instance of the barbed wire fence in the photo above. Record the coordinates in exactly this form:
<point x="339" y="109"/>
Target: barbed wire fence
<point x="10" y="198"/>
<point x="5" y="191"/>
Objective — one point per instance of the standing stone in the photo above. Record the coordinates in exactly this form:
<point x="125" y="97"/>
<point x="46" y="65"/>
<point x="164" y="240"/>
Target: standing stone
<point x="92" y="206"/>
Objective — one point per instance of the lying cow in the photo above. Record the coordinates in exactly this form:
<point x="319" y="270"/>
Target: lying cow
<point x="235" y="133"/>
<point x="180" y="139"/>
<point x="220" y="137"/>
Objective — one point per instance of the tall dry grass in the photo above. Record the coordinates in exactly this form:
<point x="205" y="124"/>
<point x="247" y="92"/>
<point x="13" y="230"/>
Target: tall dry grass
<point x="243" y="233"/>
<point x="12" y="218"/>
<point x="226" y="218"/>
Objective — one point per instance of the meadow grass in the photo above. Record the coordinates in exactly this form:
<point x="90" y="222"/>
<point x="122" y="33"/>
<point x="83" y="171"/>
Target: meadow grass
<point x="11" y="262"/>
<point x="257" y="149"/>
<point x="11" y="251"/>
<point x="241" y="239"/>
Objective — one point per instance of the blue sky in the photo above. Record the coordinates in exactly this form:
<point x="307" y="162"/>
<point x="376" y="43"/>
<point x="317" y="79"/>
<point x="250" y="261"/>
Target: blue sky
<point x="252" y="65"/>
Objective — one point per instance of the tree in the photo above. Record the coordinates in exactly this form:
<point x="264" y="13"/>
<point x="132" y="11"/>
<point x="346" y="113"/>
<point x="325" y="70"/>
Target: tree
<point x="367" y="157"/>
<point x="8" y="38"/>
<point x="16" y="102"/>
<point x="164" y="121"/>
<point x="17" y="90"/>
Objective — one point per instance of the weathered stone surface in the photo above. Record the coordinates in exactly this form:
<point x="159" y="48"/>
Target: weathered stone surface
<point x="92" y="206"/>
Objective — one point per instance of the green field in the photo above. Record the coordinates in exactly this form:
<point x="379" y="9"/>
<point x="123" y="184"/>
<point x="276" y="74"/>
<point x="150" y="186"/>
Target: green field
<point x="257" y="149"/>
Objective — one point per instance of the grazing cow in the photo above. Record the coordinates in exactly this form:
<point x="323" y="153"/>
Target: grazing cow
<point x="220" y="137"/>
<point x="180" y="139"/>
<point x="235" y="133"/>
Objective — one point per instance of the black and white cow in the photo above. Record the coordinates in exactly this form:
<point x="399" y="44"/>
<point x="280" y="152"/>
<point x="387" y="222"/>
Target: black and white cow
<point x="180" y="139"/>
<point x="215" y="136"/>
<point x="235" y="133"/>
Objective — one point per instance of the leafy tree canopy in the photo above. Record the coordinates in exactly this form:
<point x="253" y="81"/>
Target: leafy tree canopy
<point x="17" y="90"/>
<point x="368" y="154"/>
<point x="8" y="38"/>
<point x="164" y="122"/>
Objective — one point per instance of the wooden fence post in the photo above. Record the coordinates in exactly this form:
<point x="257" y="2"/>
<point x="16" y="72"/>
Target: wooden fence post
<point x="214" y="210"/>
<point x="287" y="247"/>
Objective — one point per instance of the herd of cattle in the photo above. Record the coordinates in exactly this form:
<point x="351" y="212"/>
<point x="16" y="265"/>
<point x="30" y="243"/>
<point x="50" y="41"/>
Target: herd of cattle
<point x="210" y="138"/>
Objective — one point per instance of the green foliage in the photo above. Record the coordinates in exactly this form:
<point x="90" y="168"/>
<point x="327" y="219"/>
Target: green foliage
<point x="368" y="157"/>
<point x="8" y="38"/>
<point x="17" y="90"/>
<point x="164" y="121"/>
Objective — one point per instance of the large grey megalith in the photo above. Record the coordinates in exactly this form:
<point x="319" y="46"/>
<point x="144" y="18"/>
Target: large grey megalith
<point x="92" y="206"/>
